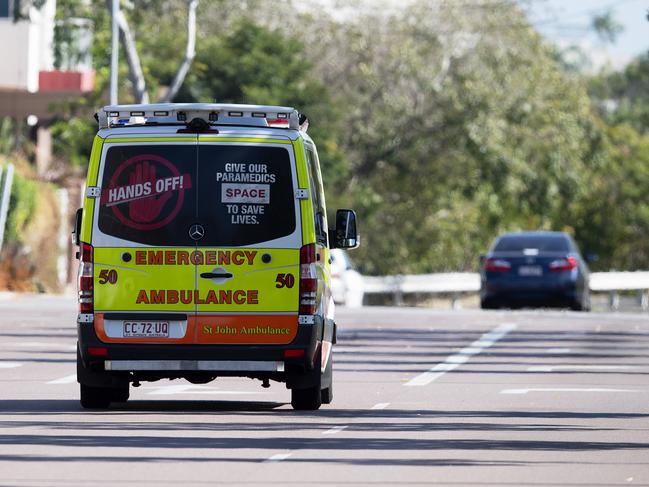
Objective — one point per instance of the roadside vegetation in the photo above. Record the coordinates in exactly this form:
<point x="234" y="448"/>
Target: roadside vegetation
<point x="442" y="125"/>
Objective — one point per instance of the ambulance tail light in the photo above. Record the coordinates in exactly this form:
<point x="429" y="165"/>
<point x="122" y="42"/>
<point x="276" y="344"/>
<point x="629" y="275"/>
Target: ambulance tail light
<point x="308" y="280"/>
<point x="294" y="353"/>
<point x="86" y="295"/>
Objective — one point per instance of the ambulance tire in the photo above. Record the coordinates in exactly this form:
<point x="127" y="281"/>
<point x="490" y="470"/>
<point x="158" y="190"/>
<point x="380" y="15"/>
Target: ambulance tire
<point x="120" y="394"/>
<point x="95" y="397"/>
<point x="306" y="399"/>
<point x="309" y="398"/>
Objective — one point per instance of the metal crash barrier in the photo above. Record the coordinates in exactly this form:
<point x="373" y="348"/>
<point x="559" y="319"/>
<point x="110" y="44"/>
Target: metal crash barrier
<point x="456" y="285"/>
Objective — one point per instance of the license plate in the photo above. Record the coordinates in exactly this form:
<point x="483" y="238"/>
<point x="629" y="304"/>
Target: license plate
<point x="530" y="270"/>
<point x="146" y="329"/>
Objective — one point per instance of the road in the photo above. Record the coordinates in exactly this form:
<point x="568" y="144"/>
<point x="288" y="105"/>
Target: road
<point x="422" y="397"/>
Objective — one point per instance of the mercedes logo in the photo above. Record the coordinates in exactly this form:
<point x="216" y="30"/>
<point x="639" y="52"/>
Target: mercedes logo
<point x="196" y="232"/>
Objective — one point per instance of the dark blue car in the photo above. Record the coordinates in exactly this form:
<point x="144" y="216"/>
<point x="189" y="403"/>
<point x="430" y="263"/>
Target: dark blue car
<point x="534" y="269"/>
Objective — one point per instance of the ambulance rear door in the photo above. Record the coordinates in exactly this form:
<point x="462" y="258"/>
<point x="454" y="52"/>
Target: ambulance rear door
<point x="248" y="278"/>
<point x="144" y="255"/>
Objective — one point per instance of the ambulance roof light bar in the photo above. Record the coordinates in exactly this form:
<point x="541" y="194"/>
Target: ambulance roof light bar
<point x="113" y="116"/>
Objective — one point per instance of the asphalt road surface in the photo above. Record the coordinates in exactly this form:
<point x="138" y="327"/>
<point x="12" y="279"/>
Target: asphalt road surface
<point x="422" y="397"/>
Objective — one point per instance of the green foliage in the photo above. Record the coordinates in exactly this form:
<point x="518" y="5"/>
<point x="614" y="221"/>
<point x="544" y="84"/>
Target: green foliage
<point x="72" y="140"/>
<point x="22" y="206"/>
<point x="7" y="135"/>
<point x="441" y="129"/>
<point x="623" y="97"/>
<point x="612" y="218"/>
<point x="606" y="27"/>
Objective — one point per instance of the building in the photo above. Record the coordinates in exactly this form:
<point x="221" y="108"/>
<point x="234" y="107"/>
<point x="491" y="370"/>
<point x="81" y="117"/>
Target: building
<point x="31" y="83"/>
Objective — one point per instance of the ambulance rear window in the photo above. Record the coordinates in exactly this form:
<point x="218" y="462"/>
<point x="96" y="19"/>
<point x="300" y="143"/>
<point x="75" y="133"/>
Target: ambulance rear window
<point x="246" y="194"/>
<point x="239" y="194"/>
<point x="148" y="194"/>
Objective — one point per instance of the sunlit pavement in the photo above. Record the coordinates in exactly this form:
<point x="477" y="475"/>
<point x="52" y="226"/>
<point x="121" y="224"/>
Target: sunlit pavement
<point x="422" y="397"/>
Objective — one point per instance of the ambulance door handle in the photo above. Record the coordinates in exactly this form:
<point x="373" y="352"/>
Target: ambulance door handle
<point x="213" y="275"/>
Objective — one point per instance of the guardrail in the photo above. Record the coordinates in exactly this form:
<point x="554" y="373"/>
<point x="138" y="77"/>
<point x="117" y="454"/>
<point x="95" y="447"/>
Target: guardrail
<point x="457" y="284"/>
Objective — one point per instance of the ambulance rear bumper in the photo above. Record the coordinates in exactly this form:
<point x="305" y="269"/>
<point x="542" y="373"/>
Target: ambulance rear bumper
<point x="195" y="365"/>
<point x="173" y="360"/>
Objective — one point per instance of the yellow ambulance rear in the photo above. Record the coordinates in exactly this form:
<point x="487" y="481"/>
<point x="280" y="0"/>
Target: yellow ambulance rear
<point x="204" y="252"/>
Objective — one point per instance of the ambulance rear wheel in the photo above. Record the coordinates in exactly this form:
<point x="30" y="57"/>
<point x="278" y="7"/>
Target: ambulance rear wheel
<point x="120" y="394"/>
<point x="306" y="399"/>
<point x="95" y="397"/>
<point x="309" y="398"/>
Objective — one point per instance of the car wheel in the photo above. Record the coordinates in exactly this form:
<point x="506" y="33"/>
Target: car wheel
<point x="577" y="306"/>
<point x="95" y="397"/>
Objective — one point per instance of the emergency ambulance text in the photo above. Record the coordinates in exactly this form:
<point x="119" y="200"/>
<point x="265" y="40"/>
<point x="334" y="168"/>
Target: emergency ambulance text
<point x="193" y="296"/>
<point x="196" y="257"/>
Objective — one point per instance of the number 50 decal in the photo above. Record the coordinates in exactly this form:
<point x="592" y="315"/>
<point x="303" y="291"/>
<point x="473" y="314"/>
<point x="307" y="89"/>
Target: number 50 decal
<point x="109" y="276"/>
<point x="284" y="280"/>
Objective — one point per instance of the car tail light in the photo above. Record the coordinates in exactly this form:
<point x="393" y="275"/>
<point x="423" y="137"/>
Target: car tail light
<point x="308" y="280"/>
<point x="497" y="265"/>
<point x="562" y="265"/>
<point x="86" y="297"/>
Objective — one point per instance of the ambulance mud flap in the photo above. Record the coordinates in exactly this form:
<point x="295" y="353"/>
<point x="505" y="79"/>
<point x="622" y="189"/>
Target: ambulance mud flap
<point x="91" y="373"/>
<point x="300" y="375"/>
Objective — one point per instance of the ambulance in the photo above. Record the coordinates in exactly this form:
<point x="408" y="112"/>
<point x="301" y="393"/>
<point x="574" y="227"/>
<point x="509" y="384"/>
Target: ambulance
<point x="204" y="252"/>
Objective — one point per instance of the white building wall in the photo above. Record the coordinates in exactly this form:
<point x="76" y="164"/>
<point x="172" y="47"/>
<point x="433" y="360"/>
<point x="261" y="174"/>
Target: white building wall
<point x="27" y="48"/>
<point x="17" y="66"/>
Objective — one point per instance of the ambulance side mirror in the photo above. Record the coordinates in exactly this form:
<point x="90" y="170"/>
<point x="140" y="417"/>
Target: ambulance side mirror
<point x="76" y="231"/>
<point x="345" y="234"/>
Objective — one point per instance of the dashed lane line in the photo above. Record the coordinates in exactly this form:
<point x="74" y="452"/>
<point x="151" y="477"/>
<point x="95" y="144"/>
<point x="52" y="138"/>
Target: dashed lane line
<point x="381" y="405"/>
<point x="278" y="457"/>
<point x="334" y="430"/>
<point x="560" y="389"/>
<point x="454" y="361"/>
<point x="55" y="346"/>
<point x="552" y="368"/>
<point x="558" y="350"/>
<point x="68" y="379"/>
<point x="10" y="365"/>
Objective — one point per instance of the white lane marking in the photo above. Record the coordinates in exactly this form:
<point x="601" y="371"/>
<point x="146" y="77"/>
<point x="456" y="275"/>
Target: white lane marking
<point x="334" y="430"/>
<point x="550" y="368"/>
<point x="10" y="365"/>
<point x="381" y="405"/>
<point x="454" y="361"/>
<point x="278" y="457"/>
<point x="50" y="345"/>
<point x="558" y="350"/>
<point x="525" y="391"/>
<point x="194" y="389"/>
<point x="68" y="379"/>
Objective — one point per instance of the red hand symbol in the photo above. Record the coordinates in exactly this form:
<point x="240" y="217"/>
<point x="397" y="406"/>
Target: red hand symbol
<point x="145" y="210"/>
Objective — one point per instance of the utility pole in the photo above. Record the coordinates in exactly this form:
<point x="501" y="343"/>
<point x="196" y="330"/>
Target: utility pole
<point x="114" y="58"/>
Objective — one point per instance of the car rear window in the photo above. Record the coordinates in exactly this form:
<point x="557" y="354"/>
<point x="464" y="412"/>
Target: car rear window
<point x="239" y="194"/>
<point x="548" y="243"/>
